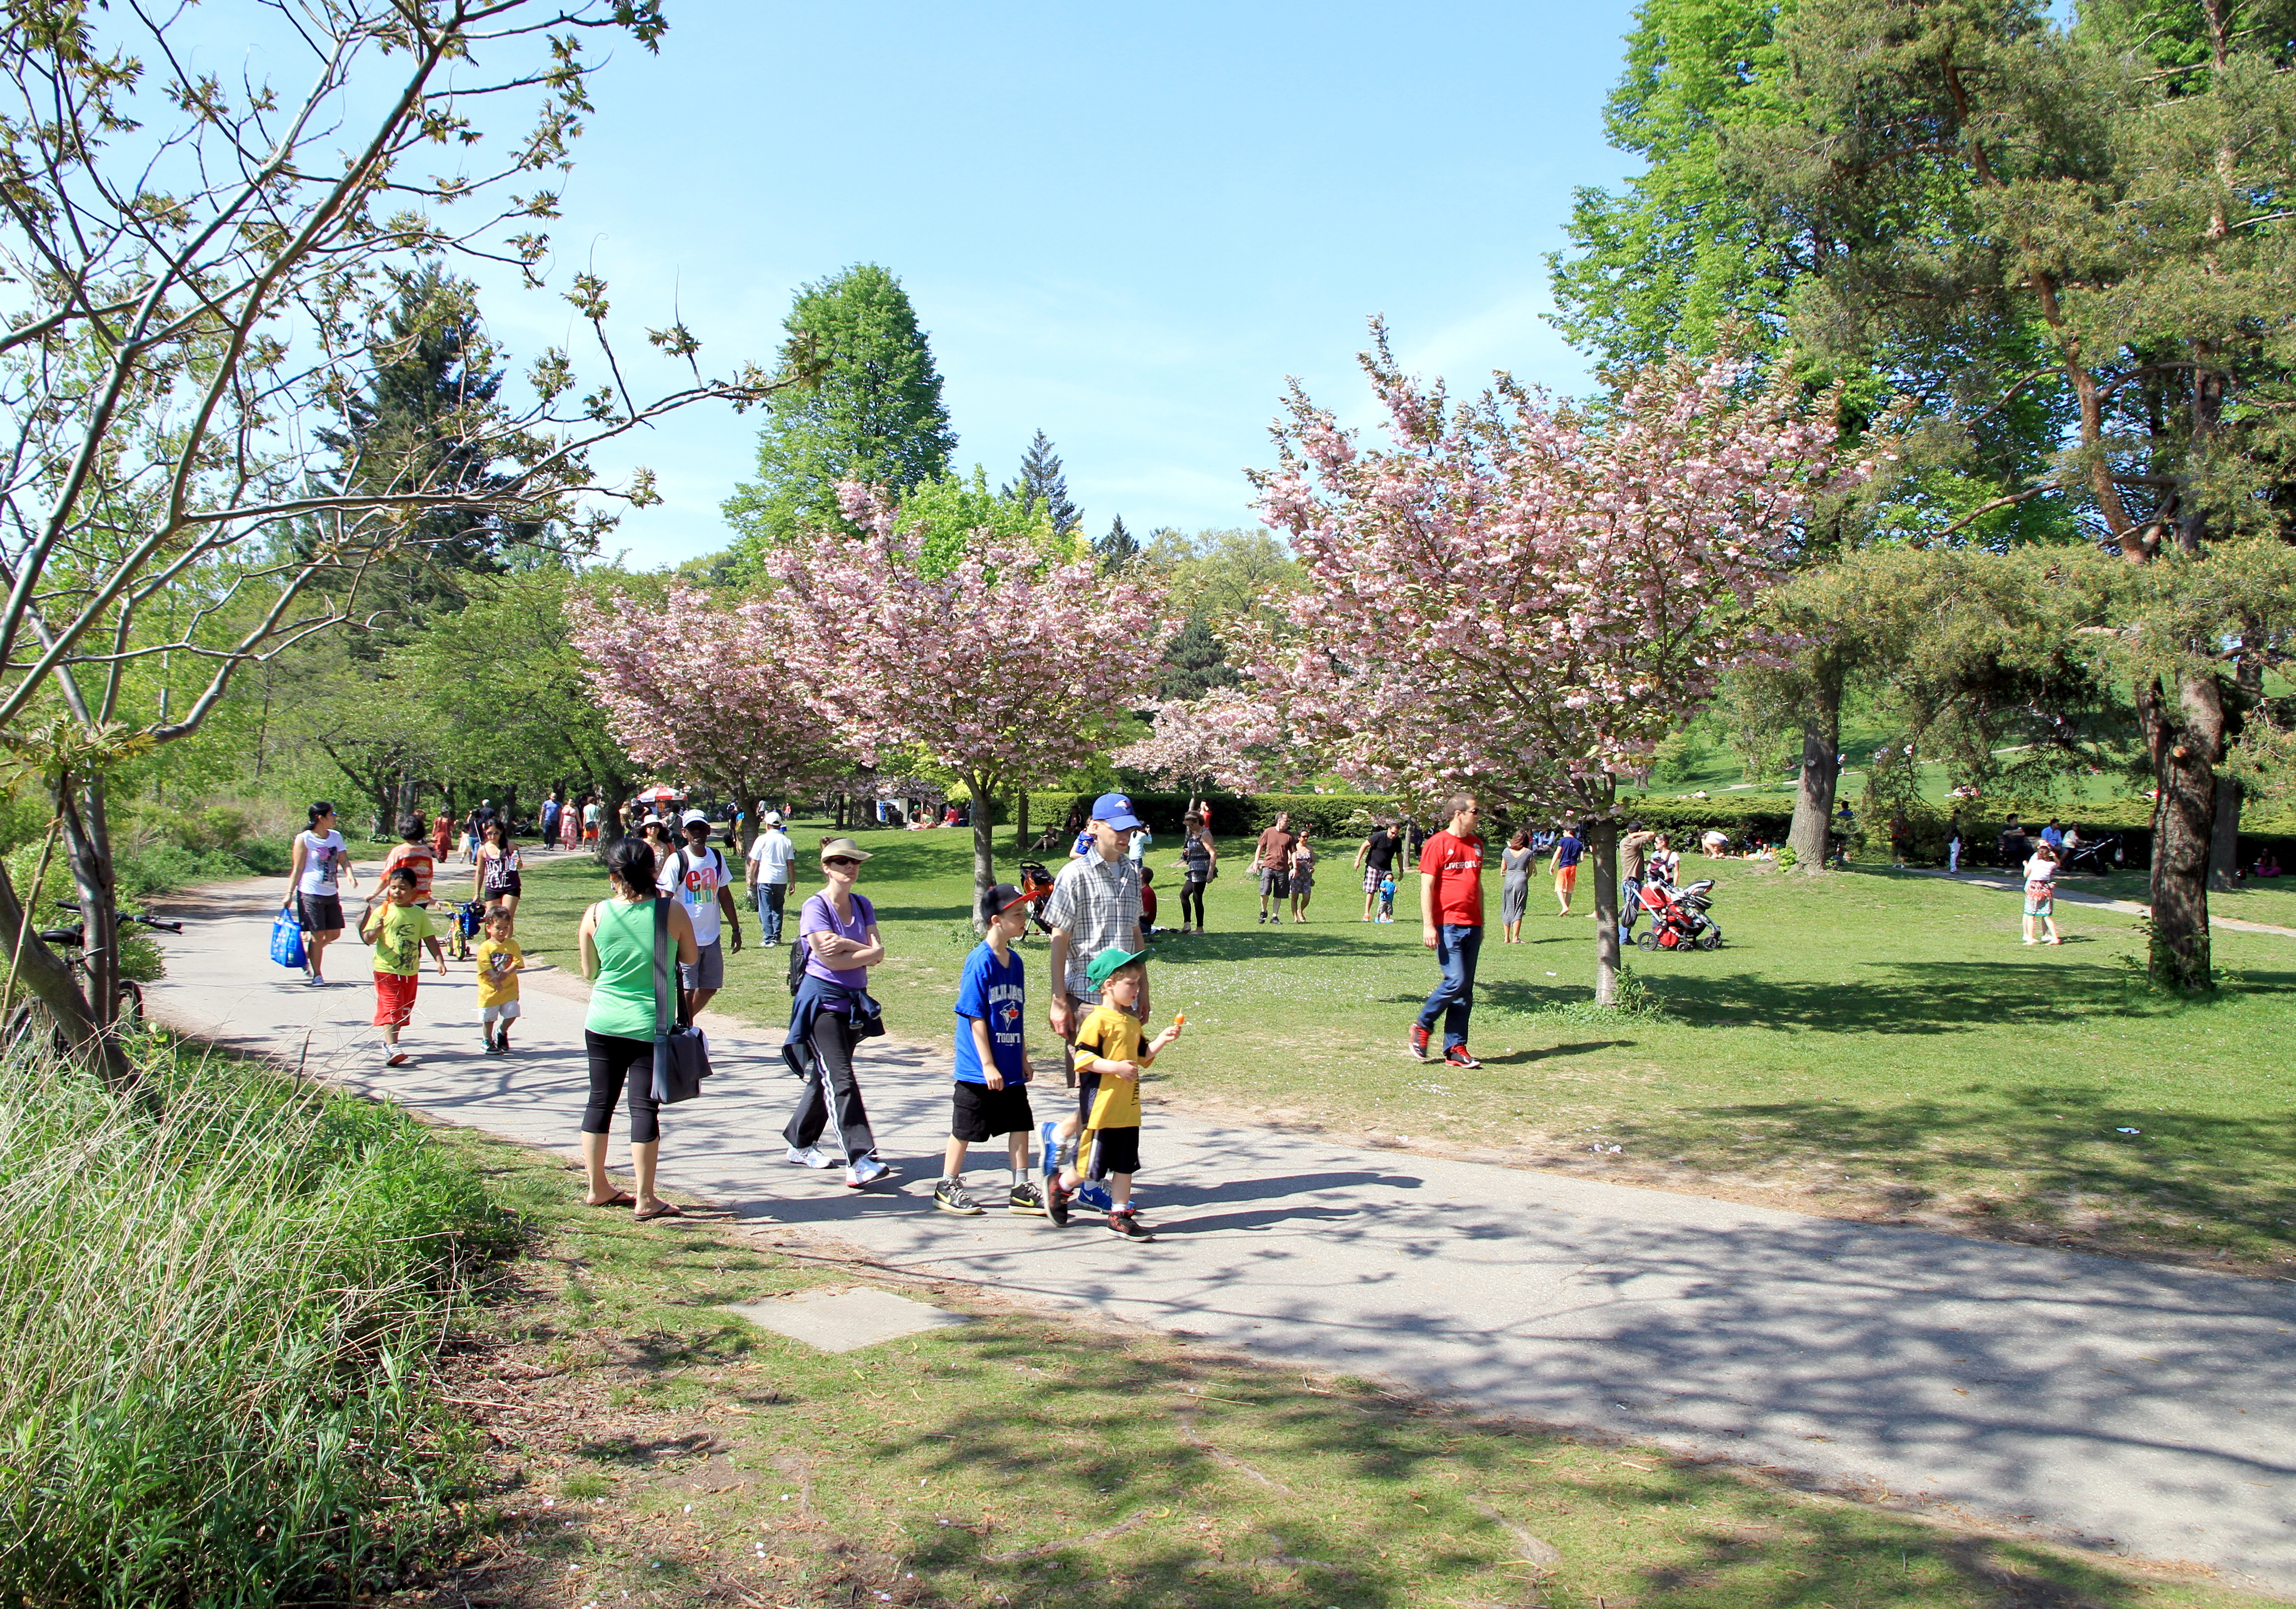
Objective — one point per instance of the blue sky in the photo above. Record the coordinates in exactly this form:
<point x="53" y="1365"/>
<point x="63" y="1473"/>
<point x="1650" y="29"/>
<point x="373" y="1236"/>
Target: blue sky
<point x="1127" y="228"/>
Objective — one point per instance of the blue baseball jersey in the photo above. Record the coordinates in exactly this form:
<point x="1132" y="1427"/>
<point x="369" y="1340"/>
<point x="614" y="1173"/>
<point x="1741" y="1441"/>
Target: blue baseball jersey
<point x="996" y="995"/>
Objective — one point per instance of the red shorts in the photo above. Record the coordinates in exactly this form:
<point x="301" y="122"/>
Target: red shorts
<point x="394" y="1000"/>
<point x="1566" y="876"/>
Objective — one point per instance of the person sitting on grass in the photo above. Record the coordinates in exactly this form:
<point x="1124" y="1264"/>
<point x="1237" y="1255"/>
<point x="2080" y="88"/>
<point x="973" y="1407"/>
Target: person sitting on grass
<point x="2267" y="864"/>
<point x="399" y="929"/>
<point x="992" y="1095"/>
<point x="1109" y="1059"/>
<point x="500" y="961"/>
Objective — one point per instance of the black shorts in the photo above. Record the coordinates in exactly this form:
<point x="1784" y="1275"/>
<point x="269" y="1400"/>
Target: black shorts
<point x="982" y="1114"/>
<point x="319" y="912"/>
<point x="511" y="887"/>
<point x="1117" y="1152"/>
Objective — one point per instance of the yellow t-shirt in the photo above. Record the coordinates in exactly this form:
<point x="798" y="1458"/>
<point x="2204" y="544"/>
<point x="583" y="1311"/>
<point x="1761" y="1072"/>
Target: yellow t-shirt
<point x="1114" y="1036"/>
<point x="398" y="935"/>
<point x="498" y="965"/>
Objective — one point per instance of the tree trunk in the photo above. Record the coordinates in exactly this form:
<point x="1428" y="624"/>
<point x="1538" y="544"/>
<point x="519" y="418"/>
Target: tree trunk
<point x="2185" y="740"/>
<point x="1820" y="773"/>
<point x="1021" y="823"/>
<point x="984" y="843"/>
<point x="2223" y="842"/>
<point x="610" y="816"/>
<point x="43" y="974"/>
<point x="87" y="849"/>
<point x="1605" y="836"/>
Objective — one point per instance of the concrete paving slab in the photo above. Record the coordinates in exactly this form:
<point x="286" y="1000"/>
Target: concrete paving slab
<point x="2130" y="1407"/>
<point x="845" y="1321"/>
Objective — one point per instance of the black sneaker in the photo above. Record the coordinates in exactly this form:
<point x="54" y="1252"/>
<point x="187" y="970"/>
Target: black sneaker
<point x="949" y="1196"/>
<point x="1057" y="1202"/>
<point x="1419" y="1037"/>
<point x="1457" y="1056"/>
<point x="1126" y="1226"/>
<point x="1027" y="1199"/>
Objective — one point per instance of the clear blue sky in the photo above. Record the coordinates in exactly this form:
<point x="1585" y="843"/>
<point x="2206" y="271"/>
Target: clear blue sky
<point x="1125" y="228"/>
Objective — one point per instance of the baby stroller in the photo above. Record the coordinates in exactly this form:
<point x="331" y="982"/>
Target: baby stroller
<point x="1678" y="918"/>
<point x="1037" y="883"/>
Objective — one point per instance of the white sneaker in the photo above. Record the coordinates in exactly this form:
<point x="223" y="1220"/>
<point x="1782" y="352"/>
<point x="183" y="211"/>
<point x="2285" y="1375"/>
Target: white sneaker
<point x="865" y="1171"/>
<point x="810" y="1157"/>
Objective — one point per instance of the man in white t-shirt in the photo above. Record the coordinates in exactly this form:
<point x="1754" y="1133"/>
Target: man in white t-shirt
<point x="770" y="857"/>
<point x="696" y="876"/>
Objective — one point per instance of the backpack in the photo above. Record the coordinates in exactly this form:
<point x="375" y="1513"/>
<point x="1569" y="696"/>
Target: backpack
<point x="801" y="952"/>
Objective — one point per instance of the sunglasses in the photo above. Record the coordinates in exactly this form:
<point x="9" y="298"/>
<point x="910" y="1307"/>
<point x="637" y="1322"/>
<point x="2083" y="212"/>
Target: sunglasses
<point x="839" y="860"/>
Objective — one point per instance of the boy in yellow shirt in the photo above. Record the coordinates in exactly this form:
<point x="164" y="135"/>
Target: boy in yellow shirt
<point x="500" y="960"/>
<point x="1109" y="1057"/>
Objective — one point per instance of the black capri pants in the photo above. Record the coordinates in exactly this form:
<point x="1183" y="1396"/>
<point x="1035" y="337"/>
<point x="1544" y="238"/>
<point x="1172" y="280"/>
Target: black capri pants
<point x="1191" y="896"/>
<point x="615" y="1060"/>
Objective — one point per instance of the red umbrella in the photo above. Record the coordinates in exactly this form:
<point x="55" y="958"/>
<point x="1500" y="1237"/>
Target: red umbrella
<point x="660" y="794"/>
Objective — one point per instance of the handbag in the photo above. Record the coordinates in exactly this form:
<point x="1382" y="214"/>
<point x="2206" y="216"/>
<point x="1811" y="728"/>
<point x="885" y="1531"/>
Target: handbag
<point x="681" y="1051"/>
<point x="287" y="939"/>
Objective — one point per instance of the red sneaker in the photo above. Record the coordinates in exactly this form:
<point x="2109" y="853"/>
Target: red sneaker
<point x="1457" y="1056"/>
<point x="1419" y="1037"/>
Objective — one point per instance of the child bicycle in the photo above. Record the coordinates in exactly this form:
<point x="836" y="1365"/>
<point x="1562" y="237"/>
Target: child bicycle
<point x="464" y="927"/>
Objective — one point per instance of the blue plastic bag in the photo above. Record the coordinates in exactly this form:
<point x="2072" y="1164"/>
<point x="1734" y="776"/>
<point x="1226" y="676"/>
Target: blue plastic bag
<point x="287" y="940"/>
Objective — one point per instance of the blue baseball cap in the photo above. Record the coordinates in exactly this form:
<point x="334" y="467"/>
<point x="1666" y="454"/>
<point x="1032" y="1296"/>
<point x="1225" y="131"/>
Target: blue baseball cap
<point x="1116" y="810"/>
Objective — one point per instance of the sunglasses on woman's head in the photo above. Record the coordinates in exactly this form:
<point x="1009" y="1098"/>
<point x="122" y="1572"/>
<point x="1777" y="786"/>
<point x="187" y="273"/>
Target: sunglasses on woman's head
<point x="841" y="860"/>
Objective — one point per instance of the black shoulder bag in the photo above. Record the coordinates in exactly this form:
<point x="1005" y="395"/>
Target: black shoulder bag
<point x="681" y="1051"/>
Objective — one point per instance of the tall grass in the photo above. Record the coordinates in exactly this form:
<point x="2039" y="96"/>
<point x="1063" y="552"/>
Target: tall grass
<point x="218" y="1312"/>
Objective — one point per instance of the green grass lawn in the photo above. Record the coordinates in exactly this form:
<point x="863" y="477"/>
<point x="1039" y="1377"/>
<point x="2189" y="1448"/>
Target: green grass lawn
<point x="650" y="1448"/>
<point x="1867" y="1043"/>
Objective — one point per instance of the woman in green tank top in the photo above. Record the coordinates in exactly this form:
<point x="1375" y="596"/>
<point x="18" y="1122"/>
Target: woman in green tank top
<point x="617" y="942"/>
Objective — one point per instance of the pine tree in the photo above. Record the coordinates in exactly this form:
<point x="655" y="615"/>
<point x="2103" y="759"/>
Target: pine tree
<point x="1119" y="550"/>
<point x="874" y="411"/>
<point x="415" y="426"/>
<point x="1042" y="485"/>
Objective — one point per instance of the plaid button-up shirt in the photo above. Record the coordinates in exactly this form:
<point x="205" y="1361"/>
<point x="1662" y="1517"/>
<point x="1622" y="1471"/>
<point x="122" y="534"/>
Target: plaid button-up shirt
<point x="1097" y="903"/>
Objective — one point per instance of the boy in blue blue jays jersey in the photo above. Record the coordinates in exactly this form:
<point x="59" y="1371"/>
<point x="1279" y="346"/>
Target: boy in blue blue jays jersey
<point x="992" y="1060"/>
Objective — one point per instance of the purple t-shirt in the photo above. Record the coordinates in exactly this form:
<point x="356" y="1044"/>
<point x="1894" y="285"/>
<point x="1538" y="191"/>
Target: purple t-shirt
<point x="819" y="917"/>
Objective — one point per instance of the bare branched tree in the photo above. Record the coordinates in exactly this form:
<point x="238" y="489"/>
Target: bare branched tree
<point x="195" y="277"/>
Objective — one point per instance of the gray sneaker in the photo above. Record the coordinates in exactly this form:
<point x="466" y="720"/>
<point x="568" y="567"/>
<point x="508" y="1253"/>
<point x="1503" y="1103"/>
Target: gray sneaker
<point x="949" y="1196"/>
<point x="1027" y="1199"/>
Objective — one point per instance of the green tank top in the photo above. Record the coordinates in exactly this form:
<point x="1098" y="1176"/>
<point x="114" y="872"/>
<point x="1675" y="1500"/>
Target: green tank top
<point x="621" y="1000"/>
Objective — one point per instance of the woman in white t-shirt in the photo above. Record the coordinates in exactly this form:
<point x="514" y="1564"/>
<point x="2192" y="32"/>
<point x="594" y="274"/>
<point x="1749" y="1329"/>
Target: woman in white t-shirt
<point x="316" y="876"/>
<point x="2041" y="894"/>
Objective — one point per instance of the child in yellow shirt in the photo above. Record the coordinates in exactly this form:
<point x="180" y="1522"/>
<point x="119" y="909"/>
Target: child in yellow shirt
<point x="1109" y="1057"/>
<point x="500" y="960"/>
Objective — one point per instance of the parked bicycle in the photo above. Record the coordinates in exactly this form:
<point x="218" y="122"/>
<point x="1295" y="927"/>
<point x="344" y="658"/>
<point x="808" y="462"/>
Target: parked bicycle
<point x="71" y="939"/>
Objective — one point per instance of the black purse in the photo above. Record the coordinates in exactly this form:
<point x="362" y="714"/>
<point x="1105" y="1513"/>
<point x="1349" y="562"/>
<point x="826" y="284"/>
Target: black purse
<point x="681" y="1051"/>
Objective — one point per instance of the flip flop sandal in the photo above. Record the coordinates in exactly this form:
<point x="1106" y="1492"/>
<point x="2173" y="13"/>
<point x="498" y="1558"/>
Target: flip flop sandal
<point x="620" y="1198"/>
<point x="664" y="1210"/>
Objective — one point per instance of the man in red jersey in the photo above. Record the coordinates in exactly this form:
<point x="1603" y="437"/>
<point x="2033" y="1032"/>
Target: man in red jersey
<point x="1451" y="925"/>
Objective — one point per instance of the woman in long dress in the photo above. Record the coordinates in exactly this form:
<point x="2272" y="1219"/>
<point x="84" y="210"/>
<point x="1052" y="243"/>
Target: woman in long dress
<point x="1514" y="891"/>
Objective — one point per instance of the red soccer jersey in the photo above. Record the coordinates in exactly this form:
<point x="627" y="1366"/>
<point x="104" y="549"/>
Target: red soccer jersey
<point x="1456" y="865"/>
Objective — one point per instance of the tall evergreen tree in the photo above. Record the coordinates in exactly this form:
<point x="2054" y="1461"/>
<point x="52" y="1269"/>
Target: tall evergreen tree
<point x="419" y="424"/>
<point x="1043" y="485"/>
<point x="1119" y="550"/>
<point x="874" y="411"/>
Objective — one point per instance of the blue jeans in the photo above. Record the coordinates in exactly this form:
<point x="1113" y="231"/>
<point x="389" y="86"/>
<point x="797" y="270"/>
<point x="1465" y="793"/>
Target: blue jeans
<point x="1630" y="903"/>
<point x="770" y="899"/>
<point x="1457" y="948"/>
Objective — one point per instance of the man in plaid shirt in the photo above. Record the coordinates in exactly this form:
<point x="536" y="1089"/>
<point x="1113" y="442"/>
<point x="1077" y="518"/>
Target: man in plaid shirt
<point x="1096" y="905"/>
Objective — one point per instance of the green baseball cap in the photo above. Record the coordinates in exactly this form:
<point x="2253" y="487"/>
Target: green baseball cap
<point x="1111" y="961"/>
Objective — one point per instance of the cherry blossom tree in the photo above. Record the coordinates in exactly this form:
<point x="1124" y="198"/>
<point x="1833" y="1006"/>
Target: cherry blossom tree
<point x="1218" y="740"/>
<point x="702" y="691"/>
<point x="1001" y="662"/>
<point x="1520" y="599"/>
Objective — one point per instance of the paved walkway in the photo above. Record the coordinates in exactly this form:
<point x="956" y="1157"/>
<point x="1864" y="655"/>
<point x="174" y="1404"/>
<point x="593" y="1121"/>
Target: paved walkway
<point x="2073" y="895"/>
<point x="2140" y="1409"/>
